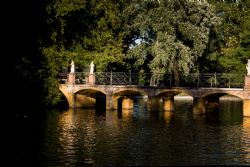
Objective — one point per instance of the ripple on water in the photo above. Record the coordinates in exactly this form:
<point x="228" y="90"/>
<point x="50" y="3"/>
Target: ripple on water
<point x="85" y="138"/>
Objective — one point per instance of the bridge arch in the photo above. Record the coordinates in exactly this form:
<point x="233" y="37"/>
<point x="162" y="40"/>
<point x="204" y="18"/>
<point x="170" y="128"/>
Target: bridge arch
<point x="168" y="97"/>
<point x="90" y="98"/>
<point x="90" y="92"/>
<point x="84" y="97"/>
<point x="174" y="91"/>
<point x="219" y="93"/>
<point x="210" y="101"/>
<point x="125" y="99"/>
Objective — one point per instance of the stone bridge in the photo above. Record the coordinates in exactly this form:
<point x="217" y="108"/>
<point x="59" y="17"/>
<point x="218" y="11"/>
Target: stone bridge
<point x="120" y="96"/>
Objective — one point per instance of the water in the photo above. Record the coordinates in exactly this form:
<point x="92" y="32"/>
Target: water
<point x="84" y="137"/>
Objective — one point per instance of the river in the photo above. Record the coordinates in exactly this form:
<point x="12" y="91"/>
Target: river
<point x="85" y="137"/>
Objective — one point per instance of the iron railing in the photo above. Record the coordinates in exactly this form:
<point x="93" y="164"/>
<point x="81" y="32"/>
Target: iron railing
<point x="213" y="80"/>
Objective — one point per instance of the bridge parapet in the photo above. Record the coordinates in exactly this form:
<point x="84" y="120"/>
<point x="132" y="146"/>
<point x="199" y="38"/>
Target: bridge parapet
<point x="209" y="80"/>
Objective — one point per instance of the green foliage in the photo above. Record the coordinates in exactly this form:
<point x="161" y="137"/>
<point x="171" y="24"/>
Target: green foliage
<point x="172" y="34"/>
<point x="88" y="29"/>
<point x="54" y="60"/>
<point x="82" y="31"/>
<point x="226" y="49"/>
<point x="142" y="77"/>
<point x="244" y="49"/>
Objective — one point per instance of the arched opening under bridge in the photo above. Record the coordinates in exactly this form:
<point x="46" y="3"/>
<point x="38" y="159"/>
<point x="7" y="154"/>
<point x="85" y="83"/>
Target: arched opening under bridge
<point x="90" y="98"/>
<point x="127" y="99"/>
<point x="222" y="108"/>
<point x="171" y="99"/>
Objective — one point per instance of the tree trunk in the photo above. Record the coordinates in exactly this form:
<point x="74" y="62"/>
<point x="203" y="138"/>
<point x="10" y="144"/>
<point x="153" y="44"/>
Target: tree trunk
<point x="176" y="74"/>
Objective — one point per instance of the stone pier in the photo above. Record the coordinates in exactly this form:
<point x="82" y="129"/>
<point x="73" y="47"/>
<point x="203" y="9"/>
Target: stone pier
<point x="199" y="106"/>
<point x="246" y="107"/>
<point x="127" y="103"/>
<point x="168" y="103"/>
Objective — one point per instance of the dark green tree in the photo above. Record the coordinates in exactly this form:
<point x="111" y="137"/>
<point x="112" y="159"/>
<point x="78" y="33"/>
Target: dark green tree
<point x="224" y="53"/>
<point x="82" y="31"/>
<point x="171" y="35"/>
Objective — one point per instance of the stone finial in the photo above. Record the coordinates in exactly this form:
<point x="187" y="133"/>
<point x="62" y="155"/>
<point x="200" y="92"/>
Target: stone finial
<point x="72" y="69"/>
<point x="248" y="67"/>
<point x="91" y="68"/>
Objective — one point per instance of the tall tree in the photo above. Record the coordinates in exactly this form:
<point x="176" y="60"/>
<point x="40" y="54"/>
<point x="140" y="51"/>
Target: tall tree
<point x="172" y="34"/>
<point x="224" y="50"/>
<point x="82" y="31"/>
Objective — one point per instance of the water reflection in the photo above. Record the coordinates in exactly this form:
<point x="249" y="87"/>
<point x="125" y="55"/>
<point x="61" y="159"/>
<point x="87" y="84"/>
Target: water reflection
<point x="83" y="137"/>
<point x="246" y="139"/>
<point x="66" y="136"/>
<point x="231" y="111"/>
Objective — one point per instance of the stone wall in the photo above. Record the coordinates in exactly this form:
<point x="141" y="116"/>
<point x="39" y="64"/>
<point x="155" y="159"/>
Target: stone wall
<point x="247" y="82"/>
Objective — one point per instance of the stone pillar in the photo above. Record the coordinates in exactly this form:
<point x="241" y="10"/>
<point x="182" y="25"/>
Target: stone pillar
<point x="246" y="102"/>
<point x="153" y="103"/>
<point x="111" y="102"/>
<point x="115" y="102"/>
<point x="199" y="105"/>
<point x="68" y="91"/>
<point x="168" y="103"/>
<point x="70" y="96"/>
<point x="246" y="107"/>
<point x="71" y="99"/>
<point x="127" y="103"/>
<point x="91" y="79"/>
<point x="71" y="78"/>
<point x="247" y="82"/>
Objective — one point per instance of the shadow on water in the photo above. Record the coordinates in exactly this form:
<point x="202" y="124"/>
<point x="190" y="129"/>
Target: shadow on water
<point x="100" y="106"/>
<point x="229" y="112"/>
